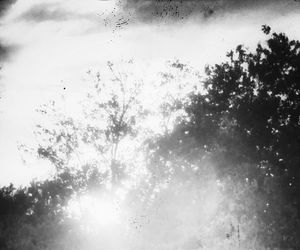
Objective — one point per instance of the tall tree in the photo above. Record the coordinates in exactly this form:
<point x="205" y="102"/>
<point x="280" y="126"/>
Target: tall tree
<point x="249" y="116"/>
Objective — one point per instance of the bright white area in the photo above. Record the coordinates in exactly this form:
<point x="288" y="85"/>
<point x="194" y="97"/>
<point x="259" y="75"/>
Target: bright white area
<point x="56" y="42"/>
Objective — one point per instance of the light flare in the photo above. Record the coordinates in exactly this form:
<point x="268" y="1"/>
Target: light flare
<point x="95" y="210"/>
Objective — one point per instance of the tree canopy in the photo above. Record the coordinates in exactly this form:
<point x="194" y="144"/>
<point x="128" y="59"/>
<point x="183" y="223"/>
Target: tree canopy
<point x="225" y="173"/>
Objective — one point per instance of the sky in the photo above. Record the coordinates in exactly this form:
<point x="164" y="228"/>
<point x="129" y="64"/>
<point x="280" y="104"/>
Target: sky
<point x="47" y="46"/>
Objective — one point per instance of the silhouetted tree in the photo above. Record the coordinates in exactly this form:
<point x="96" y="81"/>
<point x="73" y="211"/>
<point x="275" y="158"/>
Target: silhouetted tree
<point x="248" y="115"/>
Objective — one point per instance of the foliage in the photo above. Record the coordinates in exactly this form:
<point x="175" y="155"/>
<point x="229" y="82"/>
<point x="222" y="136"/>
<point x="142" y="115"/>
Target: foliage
<point x="225" y="176"/>
<point x="249" y="115"/>
<point x="110" y="114"/>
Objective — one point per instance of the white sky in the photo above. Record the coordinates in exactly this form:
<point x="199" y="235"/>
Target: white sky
<point x="57" y="45"/>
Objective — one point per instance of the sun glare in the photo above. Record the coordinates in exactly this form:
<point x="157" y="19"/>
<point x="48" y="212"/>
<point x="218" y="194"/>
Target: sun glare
<point x="95" y="210"/>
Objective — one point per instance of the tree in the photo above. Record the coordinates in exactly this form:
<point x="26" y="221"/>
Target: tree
<point x="222" y="173"/>
<point x="111" y="113"/>
<point x="249" y="116"/>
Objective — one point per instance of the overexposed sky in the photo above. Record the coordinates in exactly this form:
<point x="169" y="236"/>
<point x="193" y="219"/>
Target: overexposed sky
<point x="53" y="43"/>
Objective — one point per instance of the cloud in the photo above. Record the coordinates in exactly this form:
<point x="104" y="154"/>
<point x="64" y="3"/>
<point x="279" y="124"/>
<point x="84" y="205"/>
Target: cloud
<point x="4" y="5"/>
<point x="45" y="12"/>
<point x="174" y="9"/>
<point x="58" y="11"/>
<point x="4" y="51"/>
<point x="180" y="9"/>
<point x="52" y="11"/>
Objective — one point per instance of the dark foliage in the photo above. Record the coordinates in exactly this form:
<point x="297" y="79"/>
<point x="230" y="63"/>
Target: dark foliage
<point x="250" y="115"/>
